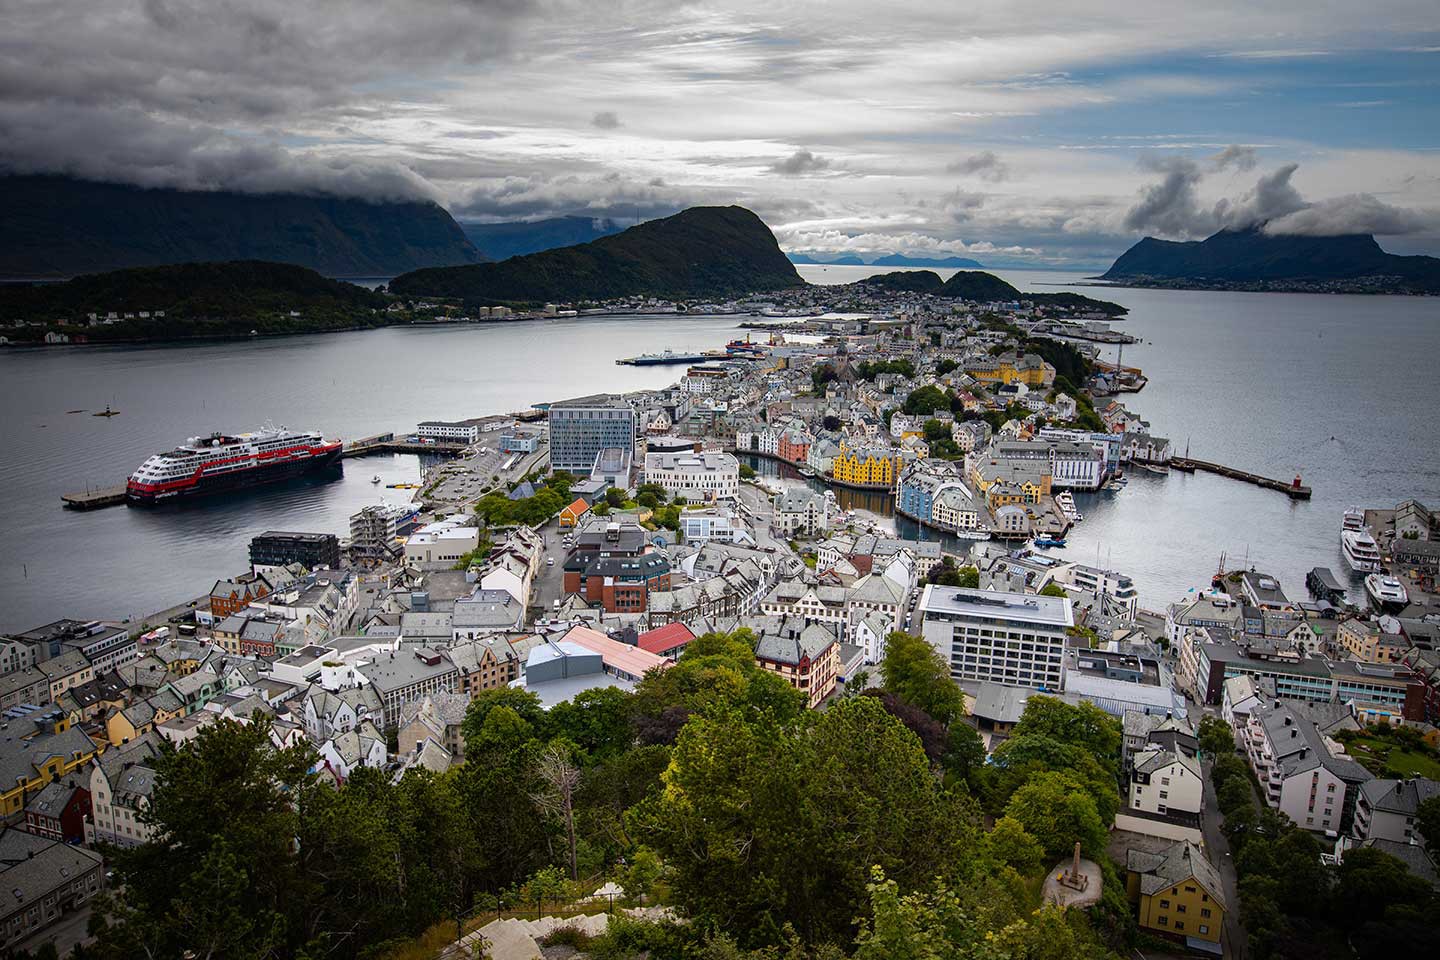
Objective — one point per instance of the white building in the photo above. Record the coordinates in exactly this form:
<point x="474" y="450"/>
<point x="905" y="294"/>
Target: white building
<point x="714" y="523"/>
<point x="449" y="431"/>
<point x="440" y="545"/>
<point x="1078" y="466"/>
<point x="698" y="476"/>
<point x="1165" y="781"/>
<point x="801" y="511"/>
<point x="1118" y="590"/>
<point x="1304" y="773"/>
<point x="1386" y="809"/>
<point x="1010" y="638"/>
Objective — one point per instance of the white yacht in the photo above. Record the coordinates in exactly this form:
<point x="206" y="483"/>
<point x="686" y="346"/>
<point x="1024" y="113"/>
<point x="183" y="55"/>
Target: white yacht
<point x="1386" y="593"/>
<point x="1354" y="519"/>
<point x="1360" y="550"/>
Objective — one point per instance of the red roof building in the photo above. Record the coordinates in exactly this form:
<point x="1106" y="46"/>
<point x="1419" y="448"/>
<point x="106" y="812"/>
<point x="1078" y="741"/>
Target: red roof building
<point x="667" y="641"/>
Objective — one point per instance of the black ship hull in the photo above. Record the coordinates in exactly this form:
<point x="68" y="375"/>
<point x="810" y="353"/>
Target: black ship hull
<point x="228" y="482"/>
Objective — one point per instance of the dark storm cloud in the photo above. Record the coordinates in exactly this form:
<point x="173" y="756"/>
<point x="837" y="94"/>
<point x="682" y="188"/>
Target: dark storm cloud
<point x="179" y="92"/>
<point x="987" y="165"/>
<point x="1171" y="206"/>
<point x="799" y="163"/>
<point x="605" y="120"/>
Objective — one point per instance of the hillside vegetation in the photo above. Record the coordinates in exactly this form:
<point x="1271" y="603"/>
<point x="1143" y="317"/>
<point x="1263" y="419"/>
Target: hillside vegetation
<point x="198" y="300"/>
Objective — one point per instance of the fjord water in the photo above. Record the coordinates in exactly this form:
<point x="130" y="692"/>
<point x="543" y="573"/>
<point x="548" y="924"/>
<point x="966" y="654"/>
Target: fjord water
<point x="1258" y="381"/>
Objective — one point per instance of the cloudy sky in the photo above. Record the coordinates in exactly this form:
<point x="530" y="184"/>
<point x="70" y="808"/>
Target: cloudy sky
<point x="1051" y="132"/>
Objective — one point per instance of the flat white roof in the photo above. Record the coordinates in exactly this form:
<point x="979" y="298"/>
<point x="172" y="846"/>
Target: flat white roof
<point x="995" y="605"/>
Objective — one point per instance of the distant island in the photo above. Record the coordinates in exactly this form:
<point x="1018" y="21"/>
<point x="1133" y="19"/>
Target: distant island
<point x="700" y="252"/>
<point x="500" y="241"/>
<point x="1252" y="259"/>
<point x="188" y="301"/>
<point x="57" y="227"/>
<point x="985" y="288"/>
<point x="889" y="260"/>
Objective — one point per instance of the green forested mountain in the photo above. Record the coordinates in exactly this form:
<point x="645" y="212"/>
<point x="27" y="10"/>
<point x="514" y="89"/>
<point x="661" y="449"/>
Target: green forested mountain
<point x="700" y="252"/>
<point x="61" y="227"/>
<point x="911" y="281"/>
<point x="977" y="285"/>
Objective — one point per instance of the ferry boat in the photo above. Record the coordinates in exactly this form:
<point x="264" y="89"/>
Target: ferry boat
<point x="745" y="348"/>
<point x="1361" y="551"/>
<point x="223" y="462"/>
<point x="1386" y="593"/>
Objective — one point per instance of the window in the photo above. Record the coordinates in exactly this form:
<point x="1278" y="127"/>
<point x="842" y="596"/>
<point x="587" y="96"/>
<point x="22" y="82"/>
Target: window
<point x="1164" y="921"/>
<point x="1180" y="908"/>
<point x="1164" y="904"/>
<point x="1179" y="924"/>
<point x="1205" y="912"/>
<point x="1204" y="928"/>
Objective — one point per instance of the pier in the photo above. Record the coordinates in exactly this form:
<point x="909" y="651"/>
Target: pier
<point x="1295" y="490"/>
<point x="365" y="448"/>
<point x="94" y="499"/>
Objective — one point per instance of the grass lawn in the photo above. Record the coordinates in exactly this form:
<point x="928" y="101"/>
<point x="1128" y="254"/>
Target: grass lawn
<point x="1386" y="759"/>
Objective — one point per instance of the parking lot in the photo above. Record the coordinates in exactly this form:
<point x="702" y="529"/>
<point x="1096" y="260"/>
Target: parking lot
<point x="458" y="483"/>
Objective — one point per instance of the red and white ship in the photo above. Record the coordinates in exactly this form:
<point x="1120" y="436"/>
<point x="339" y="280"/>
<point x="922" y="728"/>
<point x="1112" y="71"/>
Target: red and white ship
<point x="221" y="462"/>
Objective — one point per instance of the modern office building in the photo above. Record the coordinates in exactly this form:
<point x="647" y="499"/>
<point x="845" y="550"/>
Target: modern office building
<point x="276" y="548"/>
<point x="1011" y="638"/>
<point x="581" y="428"/>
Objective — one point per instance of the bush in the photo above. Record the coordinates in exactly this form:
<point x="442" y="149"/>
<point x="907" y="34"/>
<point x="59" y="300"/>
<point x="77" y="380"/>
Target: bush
<point x="567" y="936"/>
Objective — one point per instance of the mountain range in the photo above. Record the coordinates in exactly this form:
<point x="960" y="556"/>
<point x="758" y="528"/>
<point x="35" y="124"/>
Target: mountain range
<point x="699" y="252"/>
<point x="1252" y="258"/>
<point x="54" y="226"/>
<point x="500" y="241"/>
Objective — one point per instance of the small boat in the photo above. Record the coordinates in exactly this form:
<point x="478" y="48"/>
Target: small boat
<point x="375" y="479"/>
<point x="107" y="412"/>
<point x="82" y="410"/>
<point x="807" y="472"/>
<point x="1049" y="541"/>
<point x="1386" y="593"/>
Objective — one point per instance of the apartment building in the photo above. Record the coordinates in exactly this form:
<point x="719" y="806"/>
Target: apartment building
<point x="707" y="475"/>
<point x="1304" y="774"/>
<point x="1010" y="638"/>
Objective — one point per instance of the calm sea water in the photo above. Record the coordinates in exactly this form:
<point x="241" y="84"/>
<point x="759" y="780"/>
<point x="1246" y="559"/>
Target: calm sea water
<point x="1339" y="389"/>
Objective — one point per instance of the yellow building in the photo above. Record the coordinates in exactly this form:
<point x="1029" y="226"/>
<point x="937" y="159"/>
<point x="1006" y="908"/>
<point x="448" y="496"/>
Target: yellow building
<point x="1028" y="369"/>
<point x="142" y="716"/>
<point x="1003" y="482"/>
<point x="39" y="748"/>
<point x="1177" y="892"/>
<point x="870" y="465"/>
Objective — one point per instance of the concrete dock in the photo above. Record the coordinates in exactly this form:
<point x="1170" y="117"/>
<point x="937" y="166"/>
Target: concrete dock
<point x="1295" y="490"/>
<point x="95" y="499"/>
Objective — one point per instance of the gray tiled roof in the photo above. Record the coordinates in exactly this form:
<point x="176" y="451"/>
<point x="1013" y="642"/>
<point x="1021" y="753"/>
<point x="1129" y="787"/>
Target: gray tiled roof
<point x="1183" y="861"/>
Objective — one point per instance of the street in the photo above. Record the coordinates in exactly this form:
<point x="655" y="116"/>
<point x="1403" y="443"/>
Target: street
<point x="1217" y="848"/>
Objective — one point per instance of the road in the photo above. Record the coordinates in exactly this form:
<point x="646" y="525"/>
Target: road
<point x="1217" y="848"/>
<point x="549" y="583"/>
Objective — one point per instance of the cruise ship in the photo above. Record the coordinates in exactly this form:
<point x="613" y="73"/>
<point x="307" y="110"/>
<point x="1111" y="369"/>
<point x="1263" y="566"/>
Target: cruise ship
<point x="223" y="462"/>
<point x="1354" y="519"/>
<point x="1360" y="550"/>
<point x="1386" y="593"/>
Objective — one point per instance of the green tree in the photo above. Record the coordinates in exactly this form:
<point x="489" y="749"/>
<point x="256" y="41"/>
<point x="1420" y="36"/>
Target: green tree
<point x="1427" y="823"/>
<point x="1053" y="589"/>
<point x="1057" y="810"/>
<point x="224" y="812"/>
<point x="1013" y="846"/>
<point x="747" y="821"/>
<point x="616" y="498"/>
<point x="524" y="705"/>
<point x="917" y="674"/>
<point x="935" y="431"/>
<point x="1216" y="737"/>
<point x="747" y="472"/>
<point x="1082" y="725"/>
<point x="926" y="399"/>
